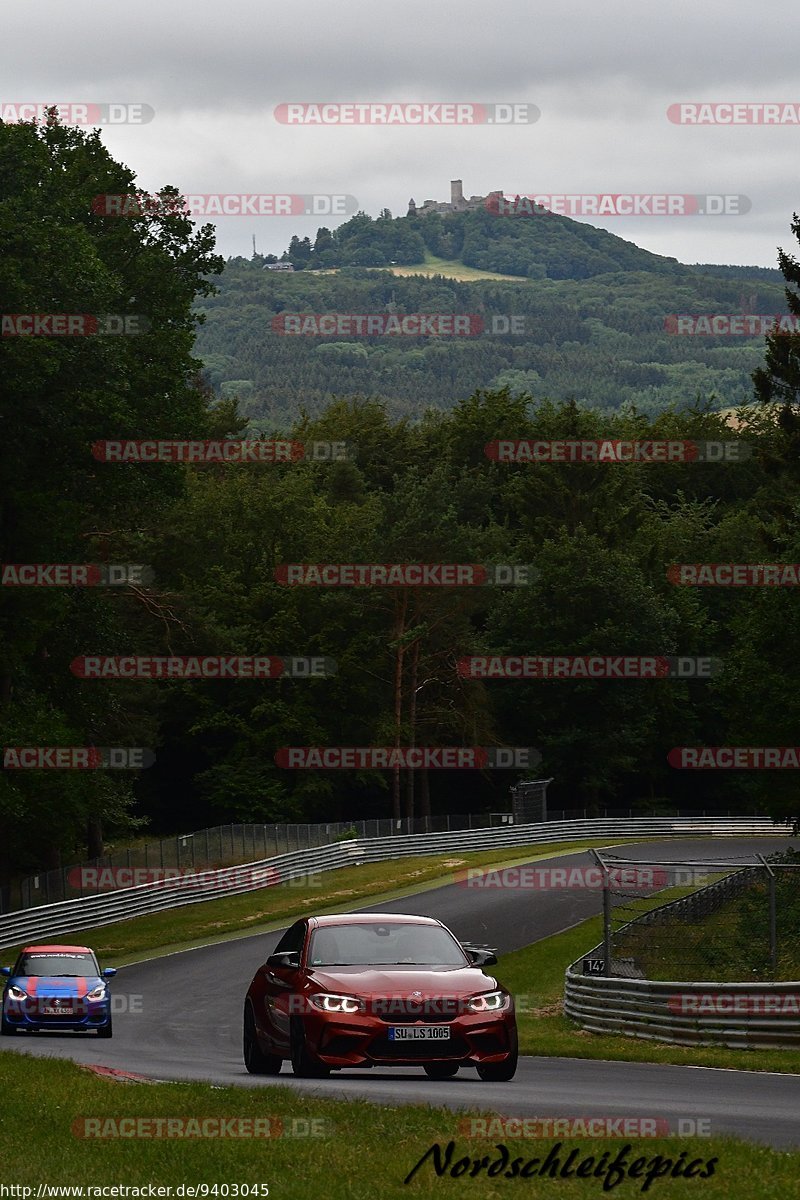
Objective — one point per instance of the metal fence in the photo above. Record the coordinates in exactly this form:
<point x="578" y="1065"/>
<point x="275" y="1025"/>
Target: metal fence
<point x="226" y="845"/>
<point x="723" y="920"/>
<point x="207" y="849"/>
<point x="162" y="893"/>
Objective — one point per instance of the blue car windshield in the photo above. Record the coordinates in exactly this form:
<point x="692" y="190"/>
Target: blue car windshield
<point x="383" y="945"/>
<point x="56" y="964"/>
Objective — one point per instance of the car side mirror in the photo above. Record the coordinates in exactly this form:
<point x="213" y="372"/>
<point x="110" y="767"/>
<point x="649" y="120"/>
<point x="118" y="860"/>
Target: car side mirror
<point x="482" y="958"/>
<point x="5" y="970"/>
<point x="109" y="971"/>
<point x="288" y="959"/>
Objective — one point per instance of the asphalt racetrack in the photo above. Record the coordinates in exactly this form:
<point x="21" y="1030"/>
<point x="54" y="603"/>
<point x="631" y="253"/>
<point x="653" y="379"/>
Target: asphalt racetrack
<point x="190" y="1019"/>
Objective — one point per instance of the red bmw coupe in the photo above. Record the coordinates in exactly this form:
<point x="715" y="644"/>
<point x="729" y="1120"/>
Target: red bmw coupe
<point x="378" y="989"/>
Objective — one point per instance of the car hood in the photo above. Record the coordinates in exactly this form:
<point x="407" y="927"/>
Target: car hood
<point x="393" y="981"/>
<point x="74" y="986"/>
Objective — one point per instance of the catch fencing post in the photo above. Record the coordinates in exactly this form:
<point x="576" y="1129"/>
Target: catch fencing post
<point x="773" y="917"/>
<point x="606" y="914"/>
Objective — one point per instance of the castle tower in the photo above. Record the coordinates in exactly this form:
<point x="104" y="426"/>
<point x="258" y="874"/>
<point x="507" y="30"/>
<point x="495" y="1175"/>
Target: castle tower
<point x="412" y="208"/>
<point x="456" y="194"/>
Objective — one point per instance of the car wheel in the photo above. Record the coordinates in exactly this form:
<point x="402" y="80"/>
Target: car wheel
<point x="105" y="1031"/>
<point x="256" y="1061"/>
<point x="6" y="1028"/>
<point x="304" y="1064"/>
<point x="501" y="1072"/>
<point x="441" y="1070"/>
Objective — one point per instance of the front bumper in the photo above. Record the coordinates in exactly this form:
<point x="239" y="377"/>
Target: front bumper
<point x="358" y="1040"/>
<point x="85" y="1015"/>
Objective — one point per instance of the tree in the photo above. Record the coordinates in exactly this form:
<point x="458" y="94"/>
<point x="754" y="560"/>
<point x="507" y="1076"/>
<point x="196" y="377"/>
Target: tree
<point x="57" y="503"/>
<point x="779" y="381"/>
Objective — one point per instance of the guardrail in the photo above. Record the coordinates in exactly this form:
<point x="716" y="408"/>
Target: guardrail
<point x="72" y="915"/>
<point x="755" y="1016"/>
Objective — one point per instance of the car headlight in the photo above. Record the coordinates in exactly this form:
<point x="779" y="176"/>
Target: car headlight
<point x="15" y="993"/>
<point x="487" y="1002"/>
<point x="329" y="1003"/>
<point x="98" y="993"/>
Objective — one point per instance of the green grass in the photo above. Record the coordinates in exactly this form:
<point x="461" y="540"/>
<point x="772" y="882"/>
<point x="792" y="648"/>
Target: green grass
<point x="535" y="975"/>
<point x="451" y="269"/>
<point x="269" y="908"/>
<point x="365" y="1151"/>
<point x="728" y="945"/>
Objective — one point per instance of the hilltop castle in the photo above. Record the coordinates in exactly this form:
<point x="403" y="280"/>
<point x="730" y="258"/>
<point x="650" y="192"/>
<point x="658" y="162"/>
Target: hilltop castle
<point x="458" y="202"/>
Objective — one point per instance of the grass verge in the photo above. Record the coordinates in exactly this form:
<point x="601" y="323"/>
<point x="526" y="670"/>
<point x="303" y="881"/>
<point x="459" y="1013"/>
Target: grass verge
<point x="535" y="975"/>
<point x="361" y="1150"/>
<point x="269" y="908"/>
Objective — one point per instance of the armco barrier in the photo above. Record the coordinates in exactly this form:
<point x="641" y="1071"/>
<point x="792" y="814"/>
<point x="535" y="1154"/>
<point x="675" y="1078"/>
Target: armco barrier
<point x="72" y="915"/>
<point x="756" y="1016"/>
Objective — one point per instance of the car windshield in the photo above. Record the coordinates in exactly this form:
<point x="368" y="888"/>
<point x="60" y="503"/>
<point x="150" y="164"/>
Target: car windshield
<point x="384" y="945"/>
<point x="56" y="964"/>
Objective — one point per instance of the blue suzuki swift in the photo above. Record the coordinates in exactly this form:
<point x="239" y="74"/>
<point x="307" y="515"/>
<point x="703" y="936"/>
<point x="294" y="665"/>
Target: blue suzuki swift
<point x="57" y="987"/>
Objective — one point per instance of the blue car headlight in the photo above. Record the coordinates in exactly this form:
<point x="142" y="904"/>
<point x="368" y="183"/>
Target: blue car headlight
<point x="98" y="993"/>
<point x="16" y="993"/>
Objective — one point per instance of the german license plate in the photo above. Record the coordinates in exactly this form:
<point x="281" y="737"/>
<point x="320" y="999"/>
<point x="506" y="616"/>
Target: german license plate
<point x="49" y="1011"/>
<point x="419" y="1033"/>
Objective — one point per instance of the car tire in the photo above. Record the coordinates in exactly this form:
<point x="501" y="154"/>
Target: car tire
<point x="256" y="1061"/>
<point x="304" y="1064"/>
<point x="501" y="1072"/>
<point x="443" y="1070"/>
<point x="105" y="1031"/>
<point x="6" y="1028"/>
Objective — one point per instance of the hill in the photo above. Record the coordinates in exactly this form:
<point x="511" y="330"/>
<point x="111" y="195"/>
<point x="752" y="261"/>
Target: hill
<point x="544" y="245"/>
<point x="559" y="309"/>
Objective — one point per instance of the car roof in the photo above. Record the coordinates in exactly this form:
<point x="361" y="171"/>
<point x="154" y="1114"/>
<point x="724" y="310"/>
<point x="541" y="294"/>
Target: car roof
<point x="57" y="950"/>
<point x="373" y="919"/>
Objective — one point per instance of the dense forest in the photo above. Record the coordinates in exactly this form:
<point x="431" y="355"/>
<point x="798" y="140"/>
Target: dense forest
<point x="601" y="537"/>
<point x="592" y="320"/>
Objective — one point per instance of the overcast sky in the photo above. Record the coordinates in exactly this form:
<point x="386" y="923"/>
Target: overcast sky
<point x="603" y="76"/>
